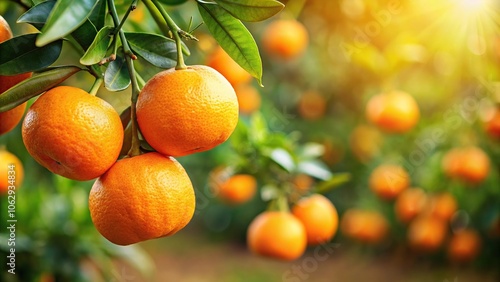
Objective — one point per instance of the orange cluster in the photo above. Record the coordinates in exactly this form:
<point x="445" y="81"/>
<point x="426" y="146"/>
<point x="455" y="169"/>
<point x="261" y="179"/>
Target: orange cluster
<point x="284" y="235"/>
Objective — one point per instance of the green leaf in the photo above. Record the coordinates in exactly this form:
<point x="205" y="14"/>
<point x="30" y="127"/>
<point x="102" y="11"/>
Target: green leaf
<point x="156" y="49"/>
<point x="20" y="54"/>
<point x="251" y="10"/>
<point x="35" y="85"/>
<point x="85" y="34"/>
<point x="172" y="2"/>
<point x="283" y="158"/>
<point x="233" y="37"/>
<point x="335" y="181"/>
<point x="98" y="15"/>
<point x="98" y="48"/>
<point x="314" y="168"/>
<point x="116" y="77"/>
<point x="66" y="17"/>
<point x="311" y="150"/>
<point x="38" y="14"/>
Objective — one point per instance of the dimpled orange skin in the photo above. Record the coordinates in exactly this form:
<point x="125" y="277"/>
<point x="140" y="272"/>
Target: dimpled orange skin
<point x="141" y="198"/>
<point x="73" y="133"/>
<point x="181" y="112"/>
<point x="278" y="235"/>
<point x="9" y="119"/>
<point x="426" y="233"/>
<point x="319" y="217"/>
<point x="7" y="159"/>
<point x="393" y="112"/>
<point x="365" y="226"/>
<point x="238" y="189"/>
<point x="223" y="63"/>
<point x="388" y="181"/>
<point x="409" y="204"/>
<point x="285" y="39"/>
<point x="464" y="246"/>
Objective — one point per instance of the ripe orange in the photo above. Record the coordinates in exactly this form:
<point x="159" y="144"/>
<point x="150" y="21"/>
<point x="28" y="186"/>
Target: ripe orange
<point x="334" y="151"/>
<point x="312" y="105"/>
<point x="223" y="63"/>
<point x="426" y="233"/>
<point x="9" y="119"/>
<point x="319" y="217"/>
<point x="388" y="181"/>
<point x="443" y="206"/>
<point x="409" y="204"/>
<point x="493" y="125"/>
<point x="238" y="189"/>
<point x="464" y="246"/>
<point x="141" y="198"/>
<point x="181" y="112"/>
<point x="394" y="112"/>
<point x="73" y="133"/>
<point x="278" y="235"/>
<point x="470" y="164"/>
<point x="15" y="172"/>
<point x="302" y="183"/>
<point x="285" y="39"/>
<point x="365" y="142"/>
<point x="248" y="99"/>
<point x="365" y="226"/>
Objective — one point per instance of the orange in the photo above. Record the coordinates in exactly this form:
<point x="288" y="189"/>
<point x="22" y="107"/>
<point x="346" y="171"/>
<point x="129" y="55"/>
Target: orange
<point x="181" y="112"/>
<point x="312" y="105"/>
<point x="319" y="217"/>
<point x="493" y="125"/>
<point x="9" y="119"/>
<point x="464" y="246"/>
<point x="426" y="233"/>
<point x="278" y="235"/>
<point x="470" y="164"/>
<point x="141" y="198"/>
<point x="238" y="189"/>
<point x="443" y="206"/>
<point x="223" y="63"/>
<point x="394" y="112"/>
<point x="73" y="133"/>
<point x="388" y="181"/>
<point x="10" y="167"/>
<point x="365" y="226"/>
<point x="365" y="142"/>
<point x="248" y="99"/>
<point x="285" y="39"/>
<point x="302" y="183"/>
<point x="333" y="151"/>
<point x="409" y="204"/>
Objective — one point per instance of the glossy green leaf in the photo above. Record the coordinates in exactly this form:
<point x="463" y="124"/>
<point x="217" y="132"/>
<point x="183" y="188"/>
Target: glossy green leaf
<point x="233" y="37"/>
<point x="335" y="181"/>
<point x="251" y="10"/>
<point x="38" y="14"/>
<point x="116" y="77"/>
<point x="65" y="17"/>
<point x="98" y="15"/>
<point x="156" y="49"/>
<point x="172" y="2"/>
<point x="85" y="34"/>
<point x="314" y="168"/>
<point x="97" y="50"/>
<point x="35" y="85"/>
<point x="283" y="158"/>
<point x="20" y="54"/>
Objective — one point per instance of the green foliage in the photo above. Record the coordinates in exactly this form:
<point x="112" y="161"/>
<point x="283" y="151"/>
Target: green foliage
<point x="117" y="76"/>
<point x="251" y="10"/>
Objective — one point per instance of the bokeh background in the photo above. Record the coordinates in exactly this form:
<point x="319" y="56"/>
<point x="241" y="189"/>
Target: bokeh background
<point x="446" y="54"/>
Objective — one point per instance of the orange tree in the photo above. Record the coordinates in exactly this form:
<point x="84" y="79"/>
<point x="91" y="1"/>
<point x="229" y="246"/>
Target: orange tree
<point x="180" y="111"/>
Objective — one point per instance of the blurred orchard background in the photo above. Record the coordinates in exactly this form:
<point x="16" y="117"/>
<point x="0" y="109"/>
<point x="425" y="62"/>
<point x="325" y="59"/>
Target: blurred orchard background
<point x="310" y="121"/>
